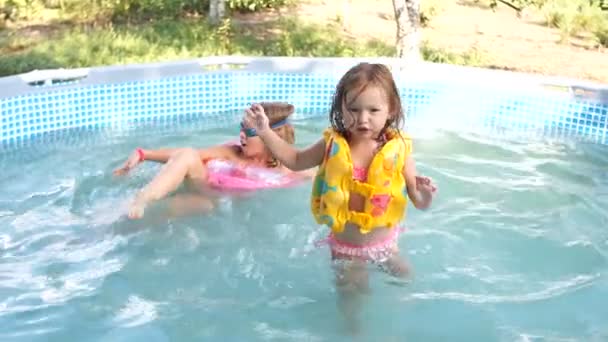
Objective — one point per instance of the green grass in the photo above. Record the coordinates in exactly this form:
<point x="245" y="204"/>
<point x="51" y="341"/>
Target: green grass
<point x="112" y="44"/>
<point x="177" y="39"/>
<point x="471" y="57"/>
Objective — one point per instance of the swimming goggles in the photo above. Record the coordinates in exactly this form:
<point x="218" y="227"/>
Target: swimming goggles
<point x="251" y="132"/>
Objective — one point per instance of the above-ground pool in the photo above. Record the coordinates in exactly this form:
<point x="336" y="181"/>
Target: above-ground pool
<point x="515" y="247"/>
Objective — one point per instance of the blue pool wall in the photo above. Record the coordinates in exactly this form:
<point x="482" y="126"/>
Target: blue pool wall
<point x="213" y="89"/>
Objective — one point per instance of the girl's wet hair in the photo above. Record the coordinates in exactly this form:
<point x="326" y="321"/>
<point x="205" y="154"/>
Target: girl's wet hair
<point x="356" y="80"/>
<point x="276" y="112"/>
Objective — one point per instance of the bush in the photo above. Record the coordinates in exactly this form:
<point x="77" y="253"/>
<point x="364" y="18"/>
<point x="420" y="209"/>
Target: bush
<point x="132" y="10"/>
<point x="428" y="10"/>
<point x="256" y="5"/>
<point x="472" y="57"/>
<point x="601" y="35"/>
<point x="124" y="10"/>
<point x="20" y="9"/>
<point x="573" y="16"/>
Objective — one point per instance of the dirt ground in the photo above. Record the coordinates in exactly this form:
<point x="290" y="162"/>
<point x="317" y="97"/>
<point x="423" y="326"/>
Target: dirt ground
<point x="505" y="41"/>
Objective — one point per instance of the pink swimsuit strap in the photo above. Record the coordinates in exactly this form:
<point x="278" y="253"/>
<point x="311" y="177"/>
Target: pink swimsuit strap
<point x="360" y="173"/>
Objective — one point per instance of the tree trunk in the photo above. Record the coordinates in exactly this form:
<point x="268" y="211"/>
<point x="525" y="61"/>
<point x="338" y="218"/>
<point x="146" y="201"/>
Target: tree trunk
<point x="407" y="16"/>
<point x="217" y="10"/>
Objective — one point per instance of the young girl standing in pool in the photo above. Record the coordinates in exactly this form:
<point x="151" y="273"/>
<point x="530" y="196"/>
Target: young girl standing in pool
<point x="366" y="175"/>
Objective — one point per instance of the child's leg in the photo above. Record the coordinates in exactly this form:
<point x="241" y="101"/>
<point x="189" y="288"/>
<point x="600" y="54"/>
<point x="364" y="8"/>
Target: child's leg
<point x="183" y="163"/>
<point x="352" y="282"/>
<point x="188" y="204"/>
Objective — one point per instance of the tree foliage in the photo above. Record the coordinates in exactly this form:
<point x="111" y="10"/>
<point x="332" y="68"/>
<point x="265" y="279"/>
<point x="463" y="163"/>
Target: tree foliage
<point x="517" y="5"/>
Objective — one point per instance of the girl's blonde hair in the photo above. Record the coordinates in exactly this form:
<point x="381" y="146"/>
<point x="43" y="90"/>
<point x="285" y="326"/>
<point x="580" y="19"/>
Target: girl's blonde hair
<point x="276" y="112"/>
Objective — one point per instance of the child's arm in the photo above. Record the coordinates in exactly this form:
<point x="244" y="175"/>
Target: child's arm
<point x="163" y="155"/>
<point x="292" y="158"/>
<point x="139" y="155"/>
<point x="419" y="189"/>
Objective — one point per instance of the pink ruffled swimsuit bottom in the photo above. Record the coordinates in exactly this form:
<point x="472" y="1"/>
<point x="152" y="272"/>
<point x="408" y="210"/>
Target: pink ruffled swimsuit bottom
<point x="375" y="252"/>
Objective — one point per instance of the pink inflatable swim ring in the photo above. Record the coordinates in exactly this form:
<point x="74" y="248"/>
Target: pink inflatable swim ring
<point x="226" y="175"/>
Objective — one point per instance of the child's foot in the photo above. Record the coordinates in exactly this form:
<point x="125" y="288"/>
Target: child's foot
<point x="353" y="327"/>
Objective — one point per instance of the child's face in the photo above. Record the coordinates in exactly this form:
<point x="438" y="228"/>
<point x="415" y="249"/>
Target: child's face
<point x="366" y="114"/>
<point x="252" y="146"/>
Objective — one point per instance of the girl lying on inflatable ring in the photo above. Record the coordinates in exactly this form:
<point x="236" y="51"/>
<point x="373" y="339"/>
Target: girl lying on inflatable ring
<point x="246" y="165"/>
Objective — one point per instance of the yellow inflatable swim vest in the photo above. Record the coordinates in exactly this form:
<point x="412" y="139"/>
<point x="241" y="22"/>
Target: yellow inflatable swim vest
<point x="384" y="190"/>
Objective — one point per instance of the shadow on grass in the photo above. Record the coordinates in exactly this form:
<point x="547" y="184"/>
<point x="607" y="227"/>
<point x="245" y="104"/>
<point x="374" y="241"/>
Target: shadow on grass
<point x="24" y="62"/>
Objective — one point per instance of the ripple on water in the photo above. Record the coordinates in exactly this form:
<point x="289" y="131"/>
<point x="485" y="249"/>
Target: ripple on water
<point x="266" y="332"/>
<point x="137" y="311"/>
<point x="548" y="290"/>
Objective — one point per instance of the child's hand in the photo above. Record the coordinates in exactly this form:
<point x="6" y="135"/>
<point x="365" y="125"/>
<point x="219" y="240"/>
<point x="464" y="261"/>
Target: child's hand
<point x="255" y="117"/>
<point x="133" y="160"/>
<point x="425" y="185"/>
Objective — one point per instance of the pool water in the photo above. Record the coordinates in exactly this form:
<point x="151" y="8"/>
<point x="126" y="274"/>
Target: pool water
<point x="514" y="249"/>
